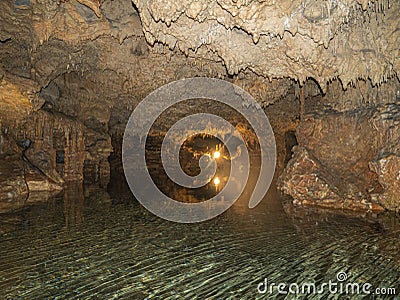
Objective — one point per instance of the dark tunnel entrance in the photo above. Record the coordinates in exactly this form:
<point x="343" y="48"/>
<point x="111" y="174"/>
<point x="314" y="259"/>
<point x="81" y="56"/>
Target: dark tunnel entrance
<point x="290" y="142"/>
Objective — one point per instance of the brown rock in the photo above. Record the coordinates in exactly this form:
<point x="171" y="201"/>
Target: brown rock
<point x="39" y="183"/>
<point x="347" y="160"/>
<point x="343" y="145"/>
<point x="93" y="5"/>
<point x="302" y="179"/>
<point x="388" y="170"/>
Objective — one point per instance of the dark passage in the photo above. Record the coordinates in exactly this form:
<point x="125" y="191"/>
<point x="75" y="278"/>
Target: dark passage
<point x="290" y="142"/>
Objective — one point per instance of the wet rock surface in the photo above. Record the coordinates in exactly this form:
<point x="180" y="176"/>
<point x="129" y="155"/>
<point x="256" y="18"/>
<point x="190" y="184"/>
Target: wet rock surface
<point x="347" y="160"/>
<point x="388" y="170"/>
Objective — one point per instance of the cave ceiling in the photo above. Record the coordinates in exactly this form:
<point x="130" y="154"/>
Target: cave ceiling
<point x="343" y="39"/>
<point x="324" y="40"/>
<point x="91" y="56"/>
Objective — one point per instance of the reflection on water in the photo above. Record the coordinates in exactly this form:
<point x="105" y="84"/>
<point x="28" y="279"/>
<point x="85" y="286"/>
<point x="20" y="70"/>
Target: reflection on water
<point x="73" y="205"/>
<point x="87" y="245"/>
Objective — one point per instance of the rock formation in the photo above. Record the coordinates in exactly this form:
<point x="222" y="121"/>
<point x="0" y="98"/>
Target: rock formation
<point x="71" y="72"/>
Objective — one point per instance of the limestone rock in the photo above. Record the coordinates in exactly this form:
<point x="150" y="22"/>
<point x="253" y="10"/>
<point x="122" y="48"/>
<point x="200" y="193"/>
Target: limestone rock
<point x="19" y="97"/>
<point x="347" y="156"/>
<point x="72" y="71"/>
<point x="309" y="183"/>
<point x="296" y="39"/>
<point x="388" y="170"/>
<point x="39" y="183"/>
<point x="302" y="179"/>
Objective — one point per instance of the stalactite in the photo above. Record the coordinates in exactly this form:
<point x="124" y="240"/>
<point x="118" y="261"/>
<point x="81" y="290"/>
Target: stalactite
<point x="41" y="130"/>
<point x="74" y="153"/>
<point x="302" y="104"/>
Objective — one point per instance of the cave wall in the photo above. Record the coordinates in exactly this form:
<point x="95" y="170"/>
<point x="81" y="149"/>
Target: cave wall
<point x="78" y="68"/>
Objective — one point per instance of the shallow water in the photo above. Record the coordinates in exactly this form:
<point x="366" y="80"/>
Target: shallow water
<point x="87" y="244"/>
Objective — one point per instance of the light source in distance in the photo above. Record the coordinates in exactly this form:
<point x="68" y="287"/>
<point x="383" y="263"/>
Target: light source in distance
<point x="216" y="154"/>
<point x="217" y="181"/>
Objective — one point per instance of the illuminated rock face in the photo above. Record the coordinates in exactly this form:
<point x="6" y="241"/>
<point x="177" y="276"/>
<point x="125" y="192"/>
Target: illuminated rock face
<point x="72" y="71"/>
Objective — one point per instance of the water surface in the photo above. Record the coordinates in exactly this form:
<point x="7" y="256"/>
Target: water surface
<point x="87" y="244"/>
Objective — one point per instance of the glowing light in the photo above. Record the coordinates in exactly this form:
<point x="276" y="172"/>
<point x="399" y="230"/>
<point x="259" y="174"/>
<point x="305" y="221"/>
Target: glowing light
<point x="217" y="154"/>
<point x="216" y="181"/>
